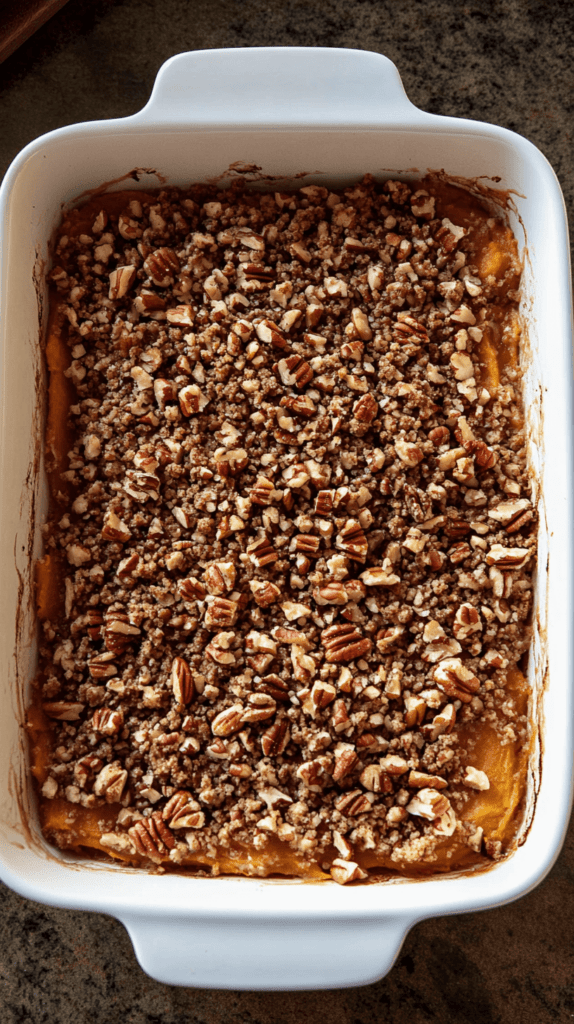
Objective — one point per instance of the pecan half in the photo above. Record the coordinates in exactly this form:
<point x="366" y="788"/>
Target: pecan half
<point x="181" y="811"/>
<point x="262" y="553"/>
<point x="344" y="643"/>
<point x="152" y="837"/>
<point x="181" y="681"/>
<point x="229" y="721"/>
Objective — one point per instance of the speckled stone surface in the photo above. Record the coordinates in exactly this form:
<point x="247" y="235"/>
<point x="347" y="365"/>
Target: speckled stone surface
<point x="506" y="61"/>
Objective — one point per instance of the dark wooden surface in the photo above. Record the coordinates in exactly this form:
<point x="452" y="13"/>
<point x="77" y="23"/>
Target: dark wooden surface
<point x="506" y="61"/>
<point x="19" y="19"/>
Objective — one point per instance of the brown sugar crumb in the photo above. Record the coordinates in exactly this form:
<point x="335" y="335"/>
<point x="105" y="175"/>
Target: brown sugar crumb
<point x="298" y="545"/>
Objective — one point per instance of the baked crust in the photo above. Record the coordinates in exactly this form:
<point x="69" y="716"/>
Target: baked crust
<point x="286" y="587"/>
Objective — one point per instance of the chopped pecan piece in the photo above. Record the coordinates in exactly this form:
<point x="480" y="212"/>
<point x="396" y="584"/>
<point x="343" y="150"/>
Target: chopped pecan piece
<point x="507" y="558"/>
<point x="274" y="686"/>
<point x="345" y="871"/>
<point x="121" y="280"/>
<point x="353" y="803"/>
<point x="220" y="578"/>
<point x="375" y="779"/>
<point x="221" y="613"/>
<point x="63" y="710"/>
<point x="260" y="706"/>
<point x="307" y="543"/>
<point x="275" y="739"/>
<point x="110" y="782"/>
<point x="294" y="371"/>
<point x="352" y="541"/>
<point x="365" y="409"/>
<point x="218" y="649"/>
<point x="191" y="589"/>
<point x="331" y="593"/>
<point x="107" y="721"/>
<point x="262" y="552"/>
<point x="162" y="265"/>
<point x="264" y="592"/>
<point x="262" y="492"/>
<point x="346" y="760"/>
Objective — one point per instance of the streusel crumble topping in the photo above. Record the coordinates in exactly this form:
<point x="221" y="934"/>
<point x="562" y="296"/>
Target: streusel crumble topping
<point x="294" y="531"/>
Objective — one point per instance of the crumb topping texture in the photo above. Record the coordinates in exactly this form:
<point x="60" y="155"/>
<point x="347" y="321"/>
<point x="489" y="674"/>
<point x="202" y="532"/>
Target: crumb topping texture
<point x="294" y="535"/>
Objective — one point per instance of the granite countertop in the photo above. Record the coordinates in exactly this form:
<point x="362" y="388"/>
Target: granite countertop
<point x="511" y="63"/>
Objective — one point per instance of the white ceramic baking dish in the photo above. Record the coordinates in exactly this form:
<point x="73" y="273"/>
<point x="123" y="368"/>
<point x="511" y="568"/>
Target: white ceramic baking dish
<point x="334" y="114"/>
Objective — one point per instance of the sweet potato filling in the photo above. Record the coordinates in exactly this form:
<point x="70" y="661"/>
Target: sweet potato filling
<point x="285" y="453"/>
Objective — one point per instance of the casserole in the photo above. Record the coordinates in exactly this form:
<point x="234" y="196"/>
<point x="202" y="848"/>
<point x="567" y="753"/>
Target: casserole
<point x="206" y="115"/>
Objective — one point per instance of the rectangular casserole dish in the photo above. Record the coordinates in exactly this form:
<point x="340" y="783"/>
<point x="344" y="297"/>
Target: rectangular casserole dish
<point x="333" y="114"/>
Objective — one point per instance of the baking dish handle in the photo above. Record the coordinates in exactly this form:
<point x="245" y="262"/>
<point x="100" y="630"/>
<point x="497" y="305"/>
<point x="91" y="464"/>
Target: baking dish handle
<point x="278" y="86"/>
<point x="235" y="953"/>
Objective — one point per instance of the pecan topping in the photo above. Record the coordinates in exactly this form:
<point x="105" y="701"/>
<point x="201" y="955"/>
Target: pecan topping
<point x="269" y="333"/>
<point x="346" y="760"/>
<point x="121" y="280"/>
<point x="262" y="493"/>
<point x="260" y="706"/>
<point x="331" y="593"/>
<point x="118" y="632"/>
<point x="507" y="558"/>
<point x="63" y="710"/>
<point x="345" y="871"/>
<point x="220" y="577"/>
<point x="376" y="780"/>
<point x="191" y="589"/>
<point x="100" y="667"/>
<point x="324" y="503"/>
<point x="299" y="405"/>
<point x="264" y="592"/>
<point x="272" y="639"/>
<point x="306" y="543"/>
